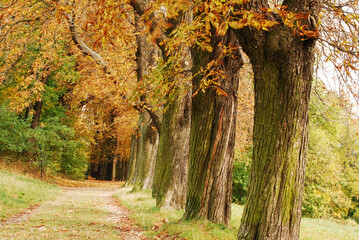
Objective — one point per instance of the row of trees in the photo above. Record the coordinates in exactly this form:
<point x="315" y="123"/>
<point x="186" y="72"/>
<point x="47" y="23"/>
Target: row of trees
<point x="149" y="56"/>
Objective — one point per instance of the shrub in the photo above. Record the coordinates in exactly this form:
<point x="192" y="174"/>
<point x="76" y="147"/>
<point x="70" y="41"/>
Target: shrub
<point x="14" y="132"/>
<point x="241" y="171"/>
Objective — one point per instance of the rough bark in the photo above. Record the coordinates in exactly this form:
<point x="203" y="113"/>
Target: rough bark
<point x="146" y="57"/>
<point x="170" y="181"/>
<point x="212" y="138"/>
<point x="132" y="160"/>
<point x="283" y="67"/>
<point x="147" y="152"/>
<point x="171" y="172"/>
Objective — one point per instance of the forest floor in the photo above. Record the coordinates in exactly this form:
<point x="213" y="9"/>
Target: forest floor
<point x="92" y="210"/>
<point x="89" y="212"/>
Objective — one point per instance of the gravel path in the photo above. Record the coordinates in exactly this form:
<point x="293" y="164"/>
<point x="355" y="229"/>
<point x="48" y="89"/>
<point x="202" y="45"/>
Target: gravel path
<point x="78" y="213"/>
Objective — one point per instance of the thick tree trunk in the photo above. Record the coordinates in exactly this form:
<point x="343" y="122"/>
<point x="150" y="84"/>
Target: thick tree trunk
<point x="283" y="68"/>
<point x="171" y="172"/>
<point x="212" y="138"/>
<point x="146" y="56"/>
<point x="147" y="152"/>
<point x="170" y="181"/>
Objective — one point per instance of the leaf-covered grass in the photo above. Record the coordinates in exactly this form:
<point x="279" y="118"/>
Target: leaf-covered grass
<point x="77" y="213"/>
<point x="19" y="192"/>
<point x="156" y="221"/>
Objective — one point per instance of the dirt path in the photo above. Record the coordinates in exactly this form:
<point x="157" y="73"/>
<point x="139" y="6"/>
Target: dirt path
<point x="78" y="213"/>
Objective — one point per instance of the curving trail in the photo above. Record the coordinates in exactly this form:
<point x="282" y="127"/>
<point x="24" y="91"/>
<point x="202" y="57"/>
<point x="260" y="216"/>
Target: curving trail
<point x="78" y="213"/>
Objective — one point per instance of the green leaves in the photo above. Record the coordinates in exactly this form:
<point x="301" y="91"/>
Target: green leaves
<point x="14" y="132"/>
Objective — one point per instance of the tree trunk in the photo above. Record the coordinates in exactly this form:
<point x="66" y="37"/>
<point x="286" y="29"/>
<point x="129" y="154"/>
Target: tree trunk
<point x="212" y="138"/>
<point x="125" y="169"/>
<point x="146" y="57"/>
<point x="36" y="119"/>
<point x="170" y="181"/>
<point x="171" y="172"/>
<point x="132" y="160"/>
<point x="283" y="68"/>
<point x="147" y="152"/>
<point x="115" y="160"/>
<point x="114" y="167"/>
<point x="27" y="111"/>
<point x="38" y="107"/>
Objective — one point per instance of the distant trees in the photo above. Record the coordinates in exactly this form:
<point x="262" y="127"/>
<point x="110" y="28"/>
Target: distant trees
<point x="329" y="176"/>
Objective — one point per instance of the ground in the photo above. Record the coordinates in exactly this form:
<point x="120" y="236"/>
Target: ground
<point x="77" y="213"/>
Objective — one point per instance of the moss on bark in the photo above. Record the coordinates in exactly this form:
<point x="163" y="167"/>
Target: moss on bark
<point x="212" y="138"/>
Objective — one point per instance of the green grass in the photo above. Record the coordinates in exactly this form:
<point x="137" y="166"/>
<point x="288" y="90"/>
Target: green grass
<point x="156" y="221"/>
<point x="19" y="192"/>
<point x="313" y="229"/>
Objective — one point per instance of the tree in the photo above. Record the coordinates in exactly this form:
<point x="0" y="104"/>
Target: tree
<point x="101" y="97"/>
<point x="170" y="179"/>
<point x="212" y="135"/>
<point x="147" y="55"/>
<point x="171" y="75"/>
<point x="326" y="177"/>
<point x="283" y="68"/>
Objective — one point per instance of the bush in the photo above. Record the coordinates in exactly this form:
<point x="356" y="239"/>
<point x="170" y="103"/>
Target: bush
<point x="241" y="171"/>
<point x="59" y="150"/>
<point x="356" y="215"/>
<point x="14" y="132"/>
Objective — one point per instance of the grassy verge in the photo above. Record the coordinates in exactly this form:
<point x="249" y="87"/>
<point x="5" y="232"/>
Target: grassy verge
<point x="19" y="192"/>
<point x="156" y="222"/>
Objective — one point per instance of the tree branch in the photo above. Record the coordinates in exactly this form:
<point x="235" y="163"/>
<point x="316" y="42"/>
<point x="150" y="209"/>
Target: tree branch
<point x="86" y="50"/>
<point x="154" y="116"/>
<point x="140" y="7"/>
<point x="100" y="61"/>
<point x="353" y="53"/>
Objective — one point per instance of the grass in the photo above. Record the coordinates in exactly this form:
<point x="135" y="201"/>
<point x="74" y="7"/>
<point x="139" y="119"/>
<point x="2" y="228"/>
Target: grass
<point x="19" y="192"/>
<point x="156" y="222"/>
<point x="76" y="214"/>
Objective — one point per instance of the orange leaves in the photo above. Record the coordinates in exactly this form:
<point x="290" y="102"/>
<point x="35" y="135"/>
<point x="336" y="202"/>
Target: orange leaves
<point x="109" y="22"/>
<point x="221" y="92"/>
<point x="252" y="19"/>
<point x="299" y="22"/>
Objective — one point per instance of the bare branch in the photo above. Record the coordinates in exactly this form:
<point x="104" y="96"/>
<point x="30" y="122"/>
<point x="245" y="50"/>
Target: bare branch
<point x="353" y="53"/>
